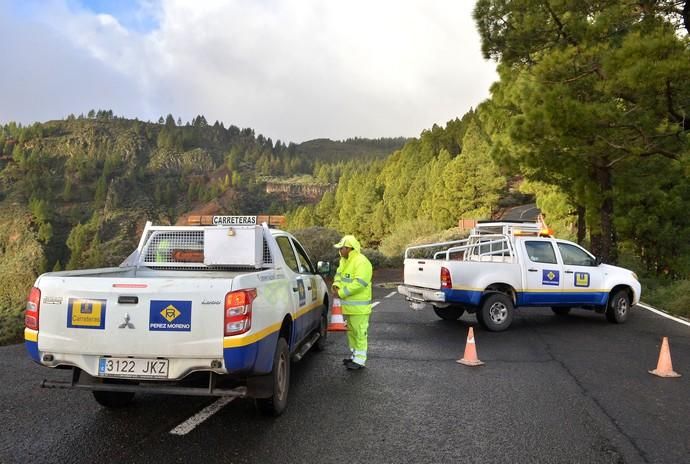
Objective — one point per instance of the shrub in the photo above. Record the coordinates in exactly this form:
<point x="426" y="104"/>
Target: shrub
<point x="318" y="242"/>
<point x="436" y="237"/>
<point x="674" y="297"/>
<point x="21" y="261"/>
<point x="394" y="244"/>
<point x="379" y="260"/>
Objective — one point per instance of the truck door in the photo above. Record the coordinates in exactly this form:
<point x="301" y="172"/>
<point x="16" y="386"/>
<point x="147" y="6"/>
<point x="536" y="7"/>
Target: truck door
<point x="297" y="286"/>
<point x="582" y="278"/>
<point x="542" y="275"/>
<point x="308" y="273"/>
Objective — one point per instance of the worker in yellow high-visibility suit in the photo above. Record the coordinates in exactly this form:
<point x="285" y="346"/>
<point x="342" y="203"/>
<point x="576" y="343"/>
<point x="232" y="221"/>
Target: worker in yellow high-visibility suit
<point x="352" y="284"/>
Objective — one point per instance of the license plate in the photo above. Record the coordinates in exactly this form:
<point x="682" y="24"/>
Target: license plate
<point x="133" y="368"/>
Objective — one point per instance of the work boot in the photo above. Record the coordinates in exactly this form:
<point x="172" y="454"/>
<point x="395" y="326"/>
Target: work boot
<point x="353" y="366"/>
<point x="347" y="360"/>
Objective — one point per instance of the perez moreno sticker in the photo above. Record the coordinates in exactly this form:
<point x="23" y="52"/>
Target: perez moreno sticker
<point x="171" y="316"/>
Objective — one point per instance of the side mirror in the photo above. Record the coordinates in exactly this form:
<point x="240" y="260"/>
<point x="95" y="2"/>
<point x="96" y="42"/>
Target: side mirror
<point x="597" y="260"/>
<point x="323" y="267"/>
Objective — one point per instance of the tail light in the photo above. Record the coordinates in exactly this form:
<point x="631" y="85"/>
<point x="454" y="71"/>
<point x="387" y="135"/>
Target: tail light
<point x="33" y="305"/>
<point x="238" y="311"/>
<point x="446" y="282"/>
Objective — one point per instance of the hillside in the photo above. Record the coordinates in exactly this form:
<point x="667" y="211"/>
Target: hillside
<point x="75" y="193"/>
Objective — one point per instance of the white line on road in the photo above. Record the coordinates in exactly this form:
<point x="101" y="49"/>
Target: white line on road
<point x="661" y="313"/>
<point x="391" y="294"/>
<point x="375" y="303"/>
<point x="189" y="425"/>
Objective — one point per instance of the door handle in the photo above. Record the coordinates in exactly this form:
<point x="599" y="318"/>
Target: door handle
<point x="532" y="270"/>
<point x="295" y="289"/>
<point x="568" y="272"/>
<point x="308" y="288"/>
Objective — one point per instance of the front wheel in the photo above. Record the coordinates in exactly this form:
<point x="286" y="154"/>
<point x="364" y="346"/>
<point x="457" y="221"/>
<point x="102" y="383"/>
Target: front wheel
<point x="451" y="313"/>
<point x="320" y="344"/>
<point x="280" y="376"/>
<point x="496" y="312"/>
<point x="618" y="308"/>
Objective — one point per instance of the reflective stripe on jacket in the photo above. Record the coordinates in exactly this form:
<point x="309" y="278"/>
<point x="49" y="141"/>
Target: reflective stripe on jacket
<point x="353" y="278"/>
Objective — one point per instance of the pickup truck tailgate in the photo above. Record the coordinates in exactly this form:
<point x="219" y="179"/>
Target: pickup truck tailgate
<point x="423" y="273"/>
<point x="128" y="316"/>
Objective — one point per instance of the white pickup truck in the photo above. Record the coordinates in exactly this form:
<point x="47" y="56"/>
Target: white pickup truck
<point x="504" y="265"/>
<point x="215" y="310"/>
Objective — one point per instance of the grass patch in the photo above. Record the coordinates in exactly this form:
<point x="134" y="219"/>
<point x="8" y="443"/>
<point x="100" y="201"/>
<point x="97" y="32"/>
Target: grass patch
<point x="673" y="297"/>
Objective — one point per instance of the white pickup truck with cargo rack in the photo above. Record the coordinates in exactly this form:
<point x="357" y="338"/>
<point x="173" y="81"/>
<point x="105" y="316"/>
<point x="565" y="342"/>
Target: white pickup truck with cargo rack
<point x="504" y="265"/>
<point x="216" y="310"/>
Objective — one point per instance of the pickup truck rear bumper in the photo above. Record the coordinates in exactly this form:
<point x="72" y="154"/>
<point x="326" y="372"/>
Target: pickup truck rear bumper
<point x="87" y="382"/>
<point x="422" y="295"/>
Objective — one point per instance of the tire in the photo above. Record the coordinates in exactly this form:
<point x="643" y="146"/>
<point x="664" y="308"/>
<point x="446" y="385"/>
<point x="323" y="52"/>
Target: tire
<point x="113" y="400"/>
<point x="275" y="405"/>
<point x="496" y="312"/>
<point x="320" y="344"/>
<point x="618" y="308"/>
<point x="561" y="310"/>
<point x="451" y="313"/>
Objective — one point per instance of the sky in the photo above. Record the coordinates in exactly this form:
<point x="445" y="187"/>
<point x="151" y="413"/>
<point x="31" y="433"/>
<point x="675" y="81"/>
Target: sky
<point x="292" y="70"/>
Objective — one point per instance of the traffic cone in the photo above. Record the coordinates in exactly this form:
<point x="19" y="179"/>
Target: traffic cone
<point x="664" y="368"/>
<point x="470" y="356"/>
<point x="337" y="321"/>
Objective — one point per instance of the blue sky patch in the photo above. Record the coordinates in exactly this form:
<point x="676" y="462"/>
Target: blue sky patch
<point x="134" y="15"/>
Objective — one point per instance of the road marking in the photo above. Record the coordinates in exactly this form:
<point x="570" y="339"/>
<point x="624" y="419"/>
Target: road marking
<point x="391" y="294"/>
<point x="189" y="425"/>
<point x="661" y="313"/>
<point x="375" y="303"/>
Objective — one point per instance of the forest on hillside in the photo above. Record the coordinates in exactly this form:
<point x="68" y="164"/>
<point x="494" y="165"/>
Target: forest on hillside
<point x="75" y="193"/>
<point x="590" y="115"/>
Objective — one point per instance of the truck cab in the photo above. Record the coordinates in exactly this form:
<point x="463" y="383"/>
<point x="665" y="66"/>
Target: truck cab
<point x="501" y="266"/>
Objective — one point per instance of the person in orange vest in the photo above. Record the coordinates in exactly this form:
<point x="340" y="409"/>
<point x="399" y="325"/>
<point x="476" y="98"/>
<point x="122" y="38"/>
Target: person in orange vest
<point x="352" y="284"/>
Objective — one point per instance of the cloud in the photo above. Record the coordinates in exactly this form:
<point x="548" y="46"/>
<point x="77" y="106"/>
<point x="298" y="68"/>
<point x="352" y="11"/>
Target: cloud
<point x="292" y="70"/>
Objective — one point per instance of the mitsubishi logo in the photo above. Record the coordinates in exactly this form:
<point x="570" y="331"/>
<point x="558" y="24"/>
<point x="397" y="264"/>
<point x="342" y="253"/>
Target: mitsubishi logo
<point x="126" y="324"/>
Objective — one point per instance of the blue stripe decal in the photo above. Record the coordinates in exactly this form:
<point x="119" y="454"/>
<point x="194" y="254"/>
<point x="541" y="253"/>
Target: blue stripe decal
<point x="256" y="357"/>
<point x="473" y="298"/>
<point x="573" y="298"/>
<point x="469" y="297"/>
<point x="32" y="349"/>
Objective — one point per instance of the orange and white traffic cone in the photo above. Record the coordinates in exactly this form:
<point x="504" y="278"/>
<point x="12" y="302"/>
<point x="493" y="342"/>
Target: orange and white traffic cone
<point x="470" y="356"/>
<point x="664" y="367"/>
<point x="337" y="321"/>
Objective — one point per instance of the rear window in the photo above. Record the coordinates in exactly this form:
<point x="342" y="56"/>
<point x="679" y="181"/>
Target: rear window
<point x="540" y="252"/>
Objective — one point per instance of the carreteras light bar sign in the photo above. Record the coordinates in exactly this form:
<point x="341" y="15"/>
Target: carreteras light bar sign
<point x="234" y="220"/>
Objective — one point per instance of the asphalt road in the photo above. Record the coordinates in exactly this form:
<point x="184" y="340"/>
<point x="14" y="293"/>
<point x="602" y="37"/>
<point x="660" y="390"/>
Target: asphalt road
<point x="553" y="390"/>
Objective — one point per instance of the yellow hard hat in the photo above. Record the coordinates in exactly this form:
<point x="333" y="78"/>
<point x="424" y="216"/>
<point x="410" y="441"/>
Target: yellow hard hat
<point x="347" y="241"/>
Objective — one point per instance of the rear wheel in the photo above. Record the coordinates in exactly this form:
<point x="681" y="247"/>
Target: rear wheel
<point x="618" y="308"/>
<point x="113" y="400"/>
<point x="561" y="310"/>
<point x="496" y="312"/>
<point x="451" y="313"/>
<point x="275" y="405"/>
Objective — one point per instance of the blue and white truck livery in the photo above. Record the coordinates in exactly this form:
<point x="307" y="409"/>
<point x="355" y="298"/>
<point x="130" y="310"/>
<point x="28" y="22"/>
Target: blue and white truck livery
<point x="216" y="310"/>
<point x="504" y="265"/>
